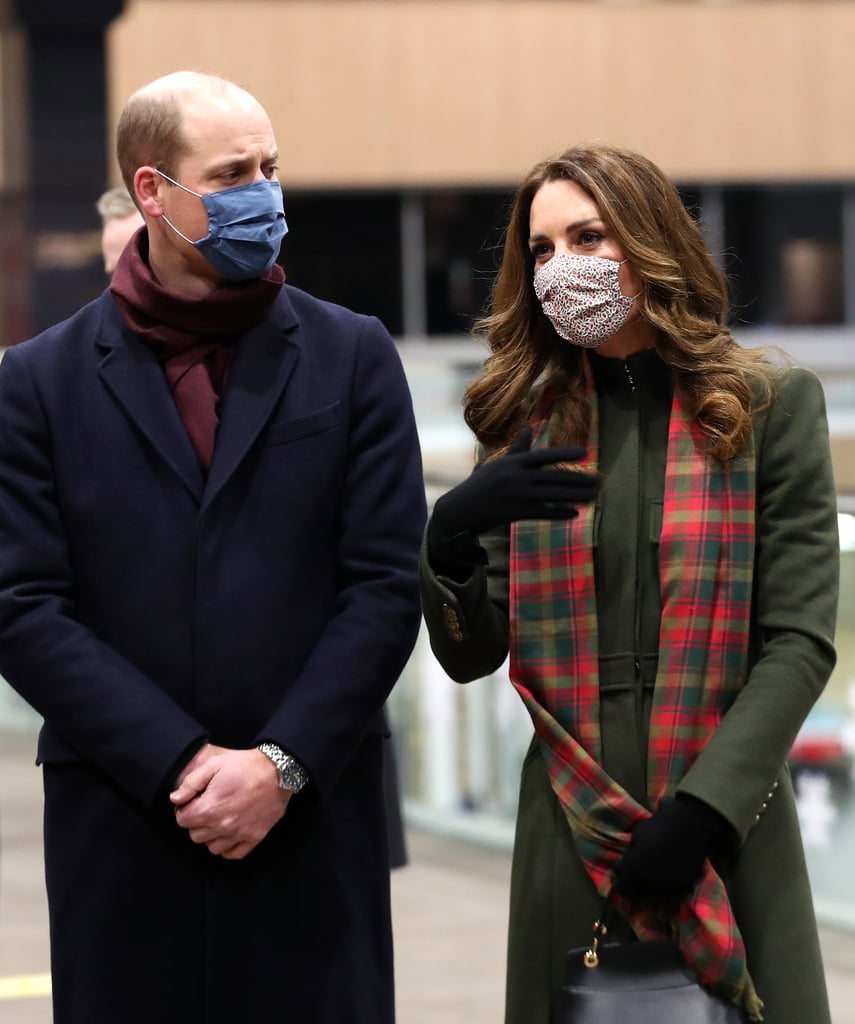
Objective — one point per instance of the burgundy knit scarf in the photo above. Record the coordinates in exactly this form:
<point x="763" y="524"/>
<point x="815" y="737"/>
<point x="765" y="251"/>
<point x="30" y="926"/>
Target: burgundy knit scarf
<point x="192" y="337"/>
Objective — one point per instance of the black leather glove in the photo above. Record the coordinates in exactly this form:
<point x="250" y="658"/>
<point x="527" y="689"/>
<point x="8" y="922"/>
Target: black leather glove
<point x="514" y="487"/>
<point x="667" y="851"/>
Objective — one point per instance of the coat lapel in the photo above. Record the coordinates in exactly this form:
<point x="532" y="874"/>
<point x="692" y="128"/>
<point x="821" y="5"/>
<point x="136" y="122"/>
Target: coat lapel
<point x="264" y="361"/>
<point x="133" y="375"/>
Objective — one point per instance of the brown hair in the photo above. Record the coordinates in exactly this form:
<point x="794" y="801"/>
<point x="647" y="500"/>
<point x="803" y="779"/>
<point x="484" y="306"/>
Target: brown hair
<point x="150" y="133"/>
<point x="683" y="295"/>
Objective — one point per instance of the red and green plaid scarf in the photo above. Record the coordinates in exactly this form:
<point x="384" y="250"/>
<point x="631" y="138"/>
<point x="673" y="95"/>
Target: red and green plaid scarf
<point x="706" y="556"/>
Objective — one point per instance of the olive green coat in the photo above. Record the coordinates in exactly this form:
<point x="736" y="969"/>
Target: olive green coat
<point x="742" y="771"/>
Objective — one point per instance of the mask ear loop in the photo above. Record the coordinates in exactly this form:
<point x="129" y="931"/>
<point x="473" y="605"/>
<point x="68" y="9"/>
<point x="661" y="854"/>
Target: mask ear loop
<point x="178" y="183"/>
<point x="192" y="193"/>
<point x="177" y="232"/>
<point x="632" y="298"/>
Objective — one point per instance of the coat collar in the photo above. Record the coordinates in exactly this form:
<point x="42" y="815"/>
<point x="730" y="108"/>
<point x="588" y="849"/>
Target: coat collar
<point x="264" y="360"/>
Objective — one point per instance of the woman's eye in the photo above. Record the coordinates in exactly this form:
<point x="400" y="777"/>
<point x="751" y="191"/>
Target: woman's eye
<point x="590" y="237"/>
<point x="539" y="251"/>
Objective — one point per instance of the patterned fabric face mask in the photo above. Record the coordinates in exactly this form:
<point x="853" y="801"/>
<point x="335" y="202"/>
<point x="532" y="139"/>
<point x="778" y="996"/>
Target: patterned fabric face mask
<point x="581" y="296"/>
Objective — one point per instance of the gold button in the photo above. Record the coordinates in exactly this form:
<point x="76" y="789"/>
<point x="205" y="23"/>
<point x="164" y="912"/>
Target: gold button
<point x="452" y="623"/>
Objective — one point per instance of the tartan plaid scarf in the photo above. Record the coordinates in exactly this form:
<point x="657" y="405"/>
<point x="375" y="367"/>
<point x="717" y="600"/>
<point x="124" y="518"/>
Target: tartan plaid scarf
<point x="706" y="554"/>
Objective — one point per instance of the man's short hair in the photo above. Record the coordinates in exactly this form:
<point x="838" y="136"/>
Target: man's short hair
<point x="115" y="204"/>
<point x="150" y="133"/>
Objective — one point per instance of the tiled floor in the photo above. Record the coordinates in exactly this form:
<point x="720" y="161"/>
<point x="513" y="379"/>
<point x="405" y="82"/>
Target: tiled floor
<point x="450" y="914"/>
<point x="449" y="905"/>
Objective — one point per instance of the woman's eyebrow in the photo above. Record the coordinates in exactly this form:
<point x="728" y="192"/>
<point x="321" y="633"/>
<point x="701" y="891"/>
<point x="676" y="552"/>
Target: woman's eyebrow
<point x="576" y="224"/>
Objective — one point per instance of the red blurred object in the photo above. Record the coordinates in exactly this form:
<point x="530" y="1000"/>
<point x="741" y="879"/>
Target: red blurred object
<point x="821" y="746"/>
<point x="818" y="750"/>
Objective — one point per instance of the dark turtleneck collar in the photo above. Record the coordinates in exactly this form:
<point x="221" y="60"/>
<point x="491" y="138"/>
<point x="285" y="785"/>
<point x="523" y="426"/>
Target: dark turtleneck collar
<point x="642" y="370"/>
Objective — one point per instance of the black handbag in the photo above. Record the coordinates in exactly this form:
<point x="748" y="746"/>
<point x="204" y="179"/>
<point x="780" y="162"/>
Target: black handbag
<point x="636" y="983"/>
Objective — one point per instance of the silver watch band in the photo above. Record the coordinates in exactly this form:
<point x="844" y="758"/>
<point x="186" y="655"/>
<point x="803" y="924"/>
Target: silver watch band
<point x="292" y="775"/>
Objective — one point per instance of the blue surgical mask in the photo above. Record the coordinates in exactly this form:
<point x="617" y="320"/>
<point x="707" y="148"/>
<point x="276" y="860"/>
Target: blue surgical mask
<point x="246" y="226"/>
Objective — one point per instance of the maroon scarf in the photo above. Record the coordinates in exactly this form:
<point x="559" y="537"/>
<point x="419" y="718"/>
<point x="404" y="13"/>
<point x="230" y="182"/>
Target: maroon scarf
<point x="192" y="337"/>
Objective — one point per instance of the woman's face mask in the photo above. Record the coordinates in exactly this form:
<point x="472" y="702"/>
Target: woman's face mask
<point x="581" y="296"/>
<point x="246" y="226"/>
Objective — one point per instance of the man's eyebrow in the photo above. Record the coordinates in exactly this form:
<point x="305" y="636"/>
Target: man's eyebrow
<point x="241" y="162"/>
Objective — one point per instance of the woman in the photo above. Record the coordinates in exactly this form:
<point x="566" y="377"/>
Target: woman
<point x="668" y="602"/>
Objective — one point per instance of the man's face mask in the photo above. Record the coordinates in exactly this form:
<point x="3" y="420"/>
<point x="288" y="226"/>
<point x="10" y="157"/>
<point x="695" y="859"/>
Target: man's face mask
<point x="581" y="296"/>
<point x="246" y="226"/>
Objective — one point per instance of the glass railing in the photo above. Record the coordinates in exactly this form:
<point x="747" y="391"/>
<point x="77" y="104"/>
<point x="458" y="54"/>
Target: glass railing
<point x="460" y="747"/>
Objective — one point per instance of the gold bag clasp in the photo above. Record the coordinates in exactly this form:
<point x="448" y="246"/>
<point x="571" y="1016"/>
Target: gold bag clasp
<point x="592" y="957"/>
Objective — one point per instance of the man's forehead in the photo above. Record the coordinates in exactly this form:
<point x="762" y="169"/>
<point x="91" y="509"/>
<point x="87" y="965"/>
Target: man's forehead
<point x="218" y="151"/>
<point x="235" y="126"/>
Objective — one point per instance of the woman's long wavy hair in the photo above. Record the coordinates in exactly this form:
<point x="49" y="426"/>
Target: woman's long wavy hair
<point x="683" y="295"/>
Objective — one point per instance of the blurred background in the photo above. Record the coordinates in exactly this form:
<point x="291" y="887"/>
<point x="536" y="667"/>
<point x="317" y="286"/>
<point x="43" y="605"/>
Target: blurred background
<point x="404" y="126"/>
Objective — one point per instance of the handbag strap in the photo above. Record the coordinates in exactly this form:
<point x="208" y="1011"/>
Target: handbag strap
<point x="591" y="956"/>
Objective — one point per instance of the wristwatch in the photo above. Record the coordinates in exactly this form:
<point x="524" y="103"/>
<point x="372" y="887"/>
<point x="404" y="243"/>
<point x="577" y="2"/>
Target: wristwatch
<point x="292" y="775"/>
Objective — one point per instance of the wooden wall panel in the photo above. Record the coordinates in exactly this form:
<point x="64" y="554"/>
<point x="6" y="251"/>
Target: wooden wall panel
<point x="412" y="92"/>
<point x="843" y="458"/>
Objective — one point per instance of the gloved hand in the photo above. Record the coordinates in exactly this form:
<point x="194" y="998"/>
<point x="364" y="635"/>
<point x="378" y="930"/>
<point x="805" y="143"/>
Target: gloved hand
<point x="667" y="851"/>
<point x="511" y="488"/>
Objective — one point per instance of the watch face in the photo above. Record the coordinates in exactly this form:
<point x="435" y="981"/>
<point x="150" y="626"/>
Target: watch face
<point x="293" y="777"/>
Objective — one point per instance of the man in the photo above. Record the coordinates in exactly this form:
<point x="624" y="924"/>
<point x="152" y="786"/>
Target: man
<point x="210" y="508"/>
<point x="120" y="219"/>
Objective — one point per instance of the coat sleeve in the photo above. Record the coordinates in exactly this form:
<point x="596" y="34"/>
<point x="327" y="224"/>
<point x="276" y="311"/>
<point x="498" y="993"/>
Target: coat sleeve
<point x="106" y="710"/>
<point x="795" y="607"/>
<point x="363" y="649"/>
<point x="468" y="622"/>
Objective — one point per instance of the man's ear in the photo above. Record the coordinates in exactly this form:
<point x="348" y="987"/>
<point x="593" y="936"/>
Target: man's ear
<point x="147" y="187"/>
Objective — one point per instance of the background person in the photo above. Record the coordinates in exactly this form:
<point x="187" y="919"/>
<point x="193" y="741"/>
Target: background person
<point x="670" y="638"/>
<point x="120" y="219"/>
<point x="211" y="501"/>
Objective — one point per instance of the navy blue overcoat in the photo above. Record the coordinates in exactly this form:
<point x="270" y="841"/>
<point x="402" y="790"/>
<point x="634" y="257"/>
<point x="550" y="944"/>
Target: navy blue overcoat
<point x="144" y="608"/>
